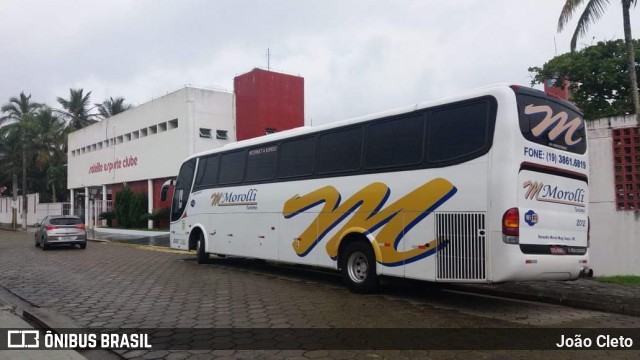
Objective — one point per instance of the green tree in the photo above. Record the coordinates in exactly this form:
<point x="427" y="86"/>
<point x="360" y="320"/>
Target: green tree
<point x="77" y="110"/>
<point x="597" y="75"/>
<point x="593" y="11"/>
<point x="49" y="151"/>
<point x="18" y="119"/>
<point x="111" y="107"/>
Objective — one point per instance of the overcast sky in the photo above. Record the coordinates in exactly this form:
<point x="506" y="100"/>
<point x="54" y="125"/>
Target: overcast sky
<point x="357" y="57"/>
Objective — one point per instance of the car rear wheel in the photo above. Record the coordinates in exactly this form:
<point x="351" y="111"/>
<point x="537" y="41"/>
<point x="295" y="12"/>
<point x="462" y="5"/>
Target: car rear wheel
<point x="36" y="240"/>
<point x="43" y="245"/>
<point x="83" y="245"/>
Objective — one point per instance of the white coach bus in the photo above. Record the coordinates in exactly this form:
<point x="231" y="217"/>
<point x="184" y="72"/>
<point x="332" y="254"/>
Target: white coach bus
<point x="487" y="187"/>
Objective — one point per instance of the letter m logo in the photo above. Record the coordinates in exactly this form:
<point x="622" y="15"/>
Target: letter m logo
<point x="555" y="125"/>
<point x="215" y="199"/>
<point x="533" y="190"/>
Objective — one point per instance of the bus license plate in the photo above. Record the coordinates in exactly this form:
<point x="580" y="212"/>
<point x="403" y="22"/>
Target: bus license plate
<point x="557" y="250"/>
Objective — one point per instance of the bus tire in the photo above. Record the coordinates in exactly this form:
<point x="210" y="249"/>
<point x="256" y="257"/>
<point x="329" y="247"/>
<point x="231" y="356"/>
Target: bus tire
<point x="201" y="255"/>
<point x="359" y="268"/>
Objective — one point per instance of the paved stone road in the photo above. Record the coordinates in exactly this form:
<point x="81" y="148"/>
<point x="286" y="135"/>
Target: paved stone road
<point x="116" y="286"/>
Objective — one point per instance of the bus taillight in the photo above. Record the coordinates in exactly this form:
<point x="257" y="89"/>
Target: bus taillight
<point x="511" y="226"/>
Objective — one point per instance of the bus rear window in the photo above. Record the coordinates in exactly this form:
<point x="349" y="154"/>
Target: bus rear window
<point x="550" y="123"/>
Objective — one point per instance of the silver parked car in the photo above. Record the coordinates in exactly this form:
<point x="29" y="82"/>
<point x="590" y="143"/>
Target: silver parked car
<point x="61" y="230"/>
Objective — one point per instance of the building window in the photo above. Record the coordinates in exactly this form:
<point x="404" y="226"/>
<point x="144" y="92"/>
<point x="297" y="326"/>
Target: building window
<point x="205" y="133"/>
<point x="221" y="135"/>
<point x="143" y="133"/>
<point x="153" y="130"/>
<point x="135" y="135"/>
<point x="127" y="137"/>
<point x="120" y="139"/>
<point x="162" y="127"/>
<point x="626" y="164"/>
<point x="173" y="124"/>
<point x="268" y="131"/>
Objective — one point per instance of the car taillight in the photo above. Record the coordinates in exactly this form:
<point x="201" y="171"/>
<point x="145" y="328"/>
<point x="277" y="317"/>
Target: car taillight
<point x="81" y="227"/>
<point x="511" y="226"/>
<point x="50" y="227"/>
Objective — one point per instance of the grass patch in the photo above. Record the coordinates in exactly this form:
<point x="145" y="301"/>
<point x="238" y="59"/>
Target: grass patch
<point x="620" y="279"/>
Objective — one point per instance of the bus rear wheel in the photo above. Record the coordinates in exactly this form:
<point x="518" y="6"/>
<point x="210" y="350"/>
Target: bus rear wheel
<point x="359" y="268"/>
<point x="201" y="255"/>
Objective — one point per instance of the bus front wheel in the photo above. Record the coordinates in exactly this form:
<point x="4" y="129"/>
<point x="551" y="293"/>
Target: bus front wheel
<point x="359" y="268"/>
<point x="201" y="255"/>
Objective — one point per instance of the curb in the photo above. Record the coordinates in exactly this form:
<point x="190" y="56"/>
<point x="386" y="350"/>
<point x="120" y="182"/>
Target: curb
<point x="610" y="306"/>
<point x="46" y="320"/>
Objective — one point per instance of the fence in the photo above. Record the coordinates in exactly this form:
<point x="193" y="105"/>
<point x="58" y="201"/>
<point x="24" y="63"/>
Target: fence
<point x="97" y="207"/>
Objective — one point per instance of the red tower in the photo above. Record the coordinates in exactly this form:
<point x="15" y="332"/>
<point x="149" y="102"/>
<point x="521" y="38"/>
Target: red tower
<point x="267" y="102"/>
<point x="551" y="89"/>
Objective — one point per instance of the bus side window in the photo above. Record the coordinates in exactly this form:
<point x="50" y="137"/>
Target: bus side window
<point x="232" y="167"/>
<point x="340" y="151"/>
<point x="458" y="131"/>
<point x="396" y="142"/>
<point x="297" y="157"/>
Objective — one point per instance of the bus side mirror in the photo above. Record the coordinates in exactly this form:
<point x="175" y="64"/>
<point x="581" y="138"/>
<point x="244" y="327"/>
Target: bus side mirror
<point x="165" y="189"/>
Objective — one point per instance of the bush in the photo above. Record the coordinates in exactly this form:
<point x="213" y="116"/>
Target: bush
<point x="121" y="205"/>
<point x="138" y="208"/>
<point x="130" y="207"/>
<point x="109" y="216"/>
<point x="159" y="214"/>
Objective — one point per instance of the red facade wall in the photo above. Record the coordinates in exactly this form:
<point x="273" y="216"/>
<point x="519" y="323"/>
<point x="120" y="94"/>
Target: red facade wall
<point x="266" y="99"/>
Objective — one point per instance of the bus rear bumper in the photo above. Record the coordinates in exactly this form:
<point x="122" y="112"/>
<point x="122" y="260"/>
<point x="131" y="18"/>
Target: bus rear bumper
<point x="525" y="267"/>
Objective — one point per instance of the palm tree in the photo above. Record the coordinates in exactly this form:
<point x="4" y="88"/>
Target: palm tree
<point x="49" y="141"/>
<point x="593" y="11"/>
<point x="49" y="155"/>
<point x="111" y="107"/>
<point x="19" y="113"/>
<point x="76" y="109"/>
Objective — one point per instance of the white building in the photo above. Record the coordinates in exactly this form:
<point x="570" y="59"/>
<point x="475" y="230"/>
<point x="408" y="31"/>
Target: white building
<point x="144" y="147"/>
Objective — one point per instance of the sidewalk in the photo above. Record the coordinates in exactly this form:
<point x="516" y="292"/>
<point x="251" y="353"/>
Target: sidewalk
<point x="10" y="320"/>
<point x="139" y="237"/>
<point x="582" y="293"/>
